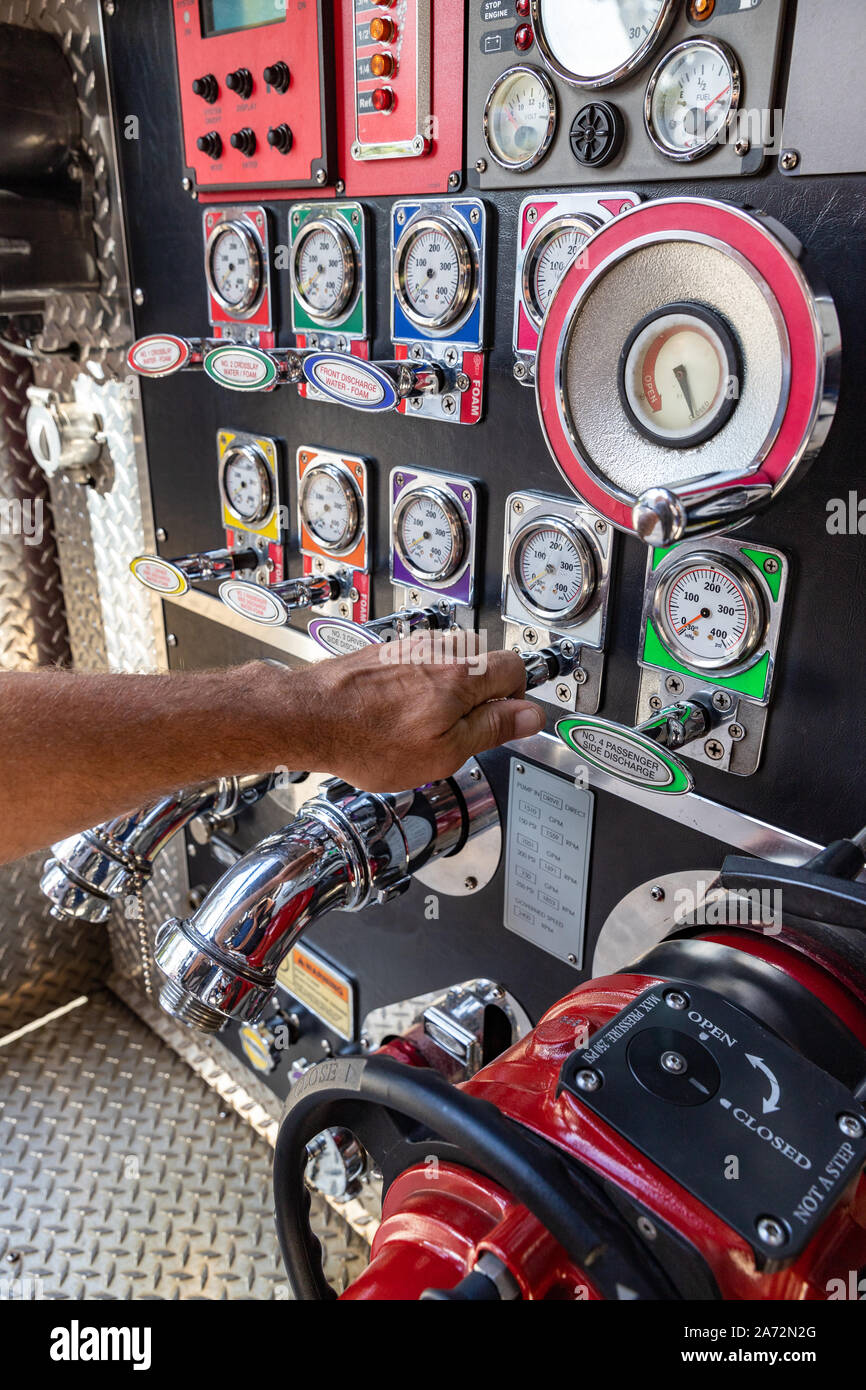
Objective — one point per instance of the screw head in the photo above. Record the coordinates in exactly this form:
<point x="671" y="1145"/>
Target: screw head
<point x="771" y="565"/>
<point x="742" y="148"/>
<point x="675" y="684"/>
<point x="519" y="767"/>
<point x="655" y="702"/>
<point x="161" y="533"/>
<point x="530" y="636"/>
<point x="449" y="356"/>
<point x="714" y="749"/>
<point x="657" y="893"/>
<point x="771" y="1232"/>
<point x="399" y="479"/>
<point x="563" y="694"/>
<point x="462" y="382"/>
<point x="519" y="371"/>
<point x="475" y="215"/>
<point x="673" y="1062"/>
<point x="587" y="1080"/>
<point x="566" y="647"/>
<point x="517" y="507"/>
<point x="470" y="883"/>
<point x="601" y="526"/>
<point x="579" y="676"/>
<point x="454" y="179"/>
<point x="449" y="405"/>
<point x="851" y="1127"/>
<point x="676" y="1000"/>
<point x="736" y="732"/>
<point x="186" y="184"/>
<point x="721" y="700"/>
<point x="532" y="214"/>
<point x="170" y="639"/>
<point x="401" y="216"/>
<point x="571" y="958"/>
<point x="481" y="166"/>
<point x="138" y="296"/>
<point x="646" y="1228"/>
<point x="321" y="176"/>
<point x="789" y="160"/>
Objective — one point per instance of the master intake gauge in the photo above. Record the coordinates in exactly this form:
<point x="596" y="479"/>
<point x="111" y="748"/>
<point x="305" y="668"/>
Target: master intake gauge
<point x="429" y="534"/>
<point x="234" y="267"/>
<point x="324" y="269"/>
<point x="679" y="375"/>
<point x="434" y="272"/>
<point x="330" y="507"/>
<point x="520" y="118"/>
<point x="709" y="612"/>
<point x="552" y="568"/>
<point x="245" y="480"/>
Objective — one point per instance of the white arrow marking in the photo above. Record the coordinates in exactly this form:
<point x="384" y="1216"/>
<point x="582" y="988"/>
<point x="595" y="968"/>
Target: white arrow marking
<point x="775" y="1088"/>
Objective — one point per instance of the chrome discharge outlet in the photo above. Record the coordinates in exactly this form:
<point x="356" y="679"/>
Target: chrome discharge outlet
<point x="345" y="849"/>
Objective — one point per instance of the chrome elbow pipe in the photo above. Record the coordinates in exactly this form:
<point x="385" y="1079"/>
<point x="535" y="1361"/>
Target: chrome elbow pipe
<point x="87" y="873"/>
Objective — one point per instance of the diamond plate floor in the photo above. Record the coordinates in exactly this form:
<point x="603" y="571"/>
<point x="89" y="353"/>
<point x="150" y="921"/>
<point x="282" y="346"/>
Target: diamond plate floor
<point x="123" y="1176"/>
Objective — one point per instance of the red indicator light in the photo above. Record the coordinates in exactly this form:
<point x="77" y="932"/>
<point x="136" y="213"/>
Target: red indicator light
<point x="522" y="8"/>
<point x="383" y="99"/>
<point x="381" y="30"/>
<point x="381" y="65"/>
<point x="523" y="37"/>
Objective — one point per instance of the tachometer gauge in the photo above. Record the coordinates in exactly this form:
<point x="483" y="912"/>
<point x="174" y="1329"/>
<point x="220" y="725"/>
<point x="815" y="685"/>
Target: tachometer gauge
<point x="329" y="507"/>
<point x="593" y="43"/>
<point x="429" y="534"/>
<point x="548" y="257"/>
<point x="233" y="267"/>
<point x="246" y="484"/>
<point x="520" y="118"/>
<point x="709" y="612"/>
<point x="691" y="98"/>
<point x="551" y="566"/>
<point x="679" y="375"/>
<point x="434" y="272"/>
<point x="324" y="269"/>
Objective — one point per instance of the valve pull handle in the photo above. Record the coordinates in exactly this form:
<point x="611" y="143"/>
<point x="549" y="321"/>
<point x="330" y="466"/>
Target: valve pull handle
<point x="174" y="577"/>
<point x="339" y="636"/>
<point x="643" y="756"/>
<point x="273" y="605"/>
<point x="370" y="386"/>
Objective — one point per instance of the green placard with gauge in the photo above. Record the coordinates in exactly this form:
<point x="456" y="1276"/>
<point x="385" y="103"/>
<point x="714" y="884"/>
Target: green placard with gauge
<point x="327" y="254"/>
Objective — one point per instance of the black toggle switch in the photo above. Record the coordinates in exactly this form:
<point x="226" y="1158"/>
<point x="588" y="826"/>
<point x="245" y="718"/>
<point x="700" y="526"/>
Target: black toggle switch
<point x="210" y="144"/>
<point x="281" y="137"/>
<point x="240" y="82"/>
<point x="277" y="76"/>
<point x="245" y="141"/>
<point x="206" y="87"/>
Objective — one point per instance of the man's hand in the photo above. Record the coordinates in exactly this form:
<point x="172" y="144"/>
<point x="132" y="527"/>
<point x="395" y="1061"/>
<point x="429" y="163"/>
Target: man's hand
<point x="400" y="715"/>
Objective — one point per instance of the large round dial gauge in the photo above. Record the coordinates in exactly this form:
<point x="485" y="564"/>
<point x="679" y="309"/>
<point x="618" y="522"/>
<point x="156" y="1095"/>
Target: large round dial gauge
<point x="246" y="484"/>
<point x="520" y="118"/>
<point x="709" y="612"/>
<point x="691" y="98"/>
<point x="233" y="267"/>
<point x="429" y="534"/>
<point x="679" y="375"/>
<point x="329" y="507"/>
<point x="551" y="566"/>
<point x="548" y="257"/>
<point x="593" y="43"/>
<point x="325" y="269"/>
<point x="434" y="272"/>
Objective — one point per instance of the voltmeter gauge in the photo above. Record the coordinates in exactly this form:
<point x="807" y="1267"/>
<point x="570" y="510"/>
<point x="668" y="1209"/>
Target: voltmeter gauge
<point x="520" y="118"/>
<point x="691" y="98"/>
<point x="247" y="485"/>
<point x="593" y="43"/>
<point x="233" y="267"/>
<point x="429" y="534"/>
<point x="548" y="256"/>
<point x="329" y="507"/>
<point x="551" y="566"/>
<point x="679" y="375"/>
<point x="325" y="269"/>
<point x="434" y="272"/>
<point x="709" y="612"/>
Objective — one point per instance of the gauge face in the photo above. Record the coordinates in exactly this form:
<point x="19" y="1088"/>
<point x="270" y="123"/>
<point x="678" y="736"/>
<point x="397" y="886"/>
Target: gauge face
<point x="691" y="98"/>
<point x="552" y="567"/>
<point x="434" y="272"/>
<point x="549" y="257"/>
<point x="233" y="265"/>
<point x="520" y="118"/>
<point x="679" y="375"/>
<point x="709" y="612"/>
<point x="329" y="507"/>
<point x="429" y="534"/>
<point x="595" y="42"/>
<point x="246" y="484"/>
<point x="325" y="269"/>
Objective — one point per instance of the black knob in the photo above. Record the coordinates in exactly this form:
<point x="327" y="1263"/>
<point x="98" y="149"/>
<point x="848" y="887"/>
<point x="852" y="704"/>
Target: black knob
<point x="210" y="144"/>
<point x="206" y="87"/>
<point x="277" y="76"/>
<point x="240" y="81"/>
<point x="281" y="137"/>
<point x="245" y="141"/>
<point x="596" y="133"/>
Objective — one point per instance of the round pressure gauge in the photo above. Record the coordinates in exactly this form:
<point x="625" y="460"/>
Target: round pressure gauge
<point x="551" y="566"/>
<point x="548" y="256"/>
<point x="434" y="272"/>
<point x="691" y="98"/>
<point x="593" y="43"/>
<point x="329" y="507"/>
<point x="709" y="612"/>
<point x="520" y="118"/>
<point x="233" y="267"/>
<point x="679" y="375"/>
<point x="246" y="484"/>
<point x="429" y="534"/>
<point x="325" y="269"/>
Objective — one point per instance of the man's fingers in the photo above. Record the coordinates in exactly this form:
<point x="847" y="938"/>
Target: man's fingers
<point x="499" y="721"/>
<point x="499" y="676"/>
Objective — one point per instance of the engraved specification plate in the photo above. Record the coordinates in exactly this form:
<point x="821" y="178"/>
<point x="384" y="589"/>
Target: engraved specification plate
<point x="547" y="860"/>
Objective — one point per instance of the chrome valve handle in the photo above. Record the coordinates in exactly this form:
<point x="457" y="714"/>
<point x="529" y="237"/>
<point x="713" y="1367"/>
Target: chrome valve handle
<point x="339" y="636"/>
<point x="273" y="605"/>
<point x="677" y="725"/>
<point x="175" y="576"/>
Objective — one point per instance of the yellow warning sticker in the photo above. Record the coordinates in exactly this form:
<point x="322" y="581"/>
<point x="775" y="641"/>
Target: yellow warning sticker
<point x="326" y="992"/>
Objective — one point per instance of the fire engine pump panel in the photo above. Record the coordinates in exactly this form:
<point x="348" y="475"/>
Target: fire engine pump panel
<point x="532" y="322"/>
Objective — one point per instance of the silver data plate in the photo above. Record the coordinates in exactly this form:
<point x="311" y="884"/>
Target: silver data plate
<point x="547" y="860"/>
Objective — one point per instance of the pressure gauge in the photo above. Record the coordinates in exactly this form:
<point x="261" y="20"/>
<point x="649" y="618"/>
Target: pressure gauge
<point x="325" y="269"/>
<point x="233" y="267"/>
<point x="709" y="612"/>
<point x="434" y="272"/>
<point x="691" y="98"/>
<point x="520" y="118"/>
<point x="246" y="484"/>
<point x="679" y="375"/>
<point x="552" y="568"/>
<point x="329" y="507"/>
<point x="593" y="43"/>
<point x="429" y="534"/>
<point x="548" y="257"/>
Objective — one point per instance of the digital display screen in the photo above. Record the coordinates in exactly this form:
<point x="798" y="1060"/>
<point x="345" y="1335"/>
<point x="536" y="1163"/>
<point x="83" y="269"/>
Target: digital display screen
<point x="224" y="16"/>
